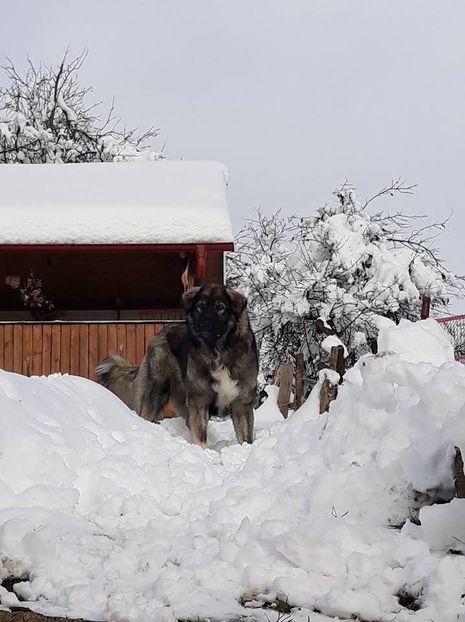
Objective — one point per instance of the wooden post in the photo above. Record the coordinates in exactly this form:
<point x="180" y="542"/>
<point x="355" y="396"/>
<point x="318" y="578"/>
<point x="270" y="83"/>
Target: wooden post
<point x="285" y="373"/>
<point x="299" y="380"/>
<point x="336" y="360"/>
<point x="425" y="306"/>
<point x="328" y="391"/>
<point x="459" y="477"/>
<point x="200" y="263"/>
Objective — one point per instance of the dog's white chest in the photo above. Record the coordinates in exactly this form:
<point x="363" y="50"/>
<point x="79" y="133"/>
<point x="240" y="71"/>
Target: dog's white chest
<point x="224" y="386"/>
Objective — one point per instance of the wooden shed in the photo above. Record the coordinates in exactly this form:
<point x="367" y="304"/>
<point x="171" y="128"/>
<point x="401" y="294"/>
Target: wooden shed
<point x="94" y="258"/>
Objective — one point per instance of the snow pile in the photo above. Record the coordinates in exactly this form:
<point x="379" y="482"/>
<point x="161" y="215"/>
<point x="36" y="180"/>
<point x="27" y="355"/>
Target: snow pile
<point x="105" y="516"/>
<point x="114" y="203"/>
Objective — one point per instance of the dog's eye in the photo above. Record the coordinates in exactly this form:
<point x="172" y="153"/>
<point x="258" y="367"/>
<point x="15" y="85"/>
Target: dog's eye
<point x="200" y="305"/>
<point x="220" y="306"/>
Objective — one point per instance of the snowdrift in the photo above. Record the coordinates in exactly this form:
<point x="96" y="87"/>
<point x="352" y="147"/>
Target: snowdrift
<point x="108" y="517"/>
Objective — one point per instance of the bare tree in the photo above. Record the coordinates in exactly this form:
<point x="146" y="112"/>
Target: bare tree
<point x="45" y="117"/>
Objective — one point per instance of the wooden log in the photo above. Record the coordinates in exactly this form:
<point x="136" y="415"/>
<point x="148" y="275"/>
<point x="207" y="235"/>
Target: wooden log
<point x="285" y="385"/>
<point x="299" y="379"/>
<point x="425" y="307"/>
<point x="459" y="476"/>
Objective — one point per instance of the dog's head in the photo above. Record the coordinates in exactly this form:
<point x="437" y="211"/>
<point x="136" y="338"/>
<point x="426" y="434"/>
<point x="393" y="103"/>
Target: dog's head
<point x="212" y="312"/>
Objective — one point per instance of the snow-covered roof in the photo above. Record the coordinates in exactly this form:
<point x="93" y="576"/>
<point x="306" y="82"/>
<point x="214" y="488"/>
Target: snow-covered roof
<point x="114" y="203"/>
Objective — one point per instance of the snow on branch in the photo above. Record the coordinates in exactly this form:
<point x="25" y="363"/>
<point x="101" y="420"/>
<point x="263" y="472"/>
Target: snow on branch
<point x="45" y="117"/>
<point x="336" y="272"/>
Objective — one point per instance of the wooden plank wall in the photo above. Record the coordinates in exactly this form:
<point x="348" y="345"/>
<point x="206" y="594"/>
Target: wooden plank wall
<point x="42" y="349"/>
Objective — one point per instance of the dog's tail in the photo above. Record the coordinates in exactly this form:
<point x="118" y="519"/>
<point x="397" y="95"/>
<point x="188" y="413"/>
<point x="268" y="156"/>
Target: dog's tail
<point x="118" y="375"/>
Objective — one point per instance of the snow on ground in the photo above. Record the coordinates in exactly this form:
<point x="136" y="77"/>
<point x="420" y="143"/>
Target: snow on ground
<point x="108" y="517"/>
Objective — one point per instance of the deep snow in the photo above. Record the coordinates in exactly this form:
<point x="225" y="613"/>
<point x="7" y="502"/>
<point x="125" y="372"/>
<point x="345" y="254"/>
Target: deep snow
<point x="109" y="517"/>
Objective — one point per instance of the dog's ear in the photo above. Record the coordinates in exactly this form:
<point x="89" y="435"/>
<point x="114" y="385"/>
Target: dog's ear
<point x="188" y="297"/>
<point x="238" y="301"/>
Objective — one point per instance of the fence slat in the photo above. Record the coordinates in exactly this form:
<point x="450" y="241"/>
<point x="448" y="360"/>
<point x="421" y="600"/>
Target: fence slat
<point x="102" y="342"/>
<point x="27" y="350"/>
<point x="8" y="347"/>
<point x="93" y="350"/>
<point x="2" y="346"/>
<point x="55" y="359"/>
<point x="46" y="349"/>
<point x="150" y="331"/>
<point x="18" y="348"/>
<point x="140" y="343"/>
<point x="37" y="349"/>
<point x="121" y="340"/>
<point x="131" y="343"/>
<point x="65" y="349"/>
<point x="112" y="340"/>
<point x="84" y="350"/>
<point x="74" y="350"/>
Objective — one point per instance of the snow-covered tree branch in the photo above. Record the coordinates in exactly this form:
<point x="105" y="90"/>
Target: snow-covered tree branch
<point x="336" y="272"/>
<point x="45" y="117"/>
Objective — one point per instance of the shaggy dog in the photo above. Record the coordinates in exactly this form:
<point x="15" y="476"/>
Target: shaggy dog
<point x="205" y="366"/>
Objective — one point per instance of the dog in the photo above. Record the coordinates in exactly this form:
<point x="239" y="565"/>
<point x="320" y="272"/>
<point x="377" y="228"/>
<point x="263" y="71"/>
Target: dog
<point x="206" y="366"/>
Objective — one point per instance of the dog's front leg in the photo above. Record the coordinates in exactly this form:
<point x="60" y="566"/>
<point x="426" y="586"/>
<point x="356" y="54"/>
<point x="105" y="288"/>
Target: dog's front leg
<point x="197" y="420"/>
<point x="243" y="420"/>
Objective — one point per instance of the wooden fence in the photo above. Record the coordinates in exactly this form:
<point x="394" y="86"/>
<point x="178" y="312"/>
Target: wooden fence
<point x="74" y="348"/>
<point x="284" y="380"/>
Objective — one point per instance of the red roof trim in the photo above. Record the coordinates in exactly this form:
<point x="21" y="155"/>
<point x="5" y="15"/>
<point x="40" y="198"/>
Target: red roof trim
<point x="159" y="248"/>
<point x="451" y="318"/>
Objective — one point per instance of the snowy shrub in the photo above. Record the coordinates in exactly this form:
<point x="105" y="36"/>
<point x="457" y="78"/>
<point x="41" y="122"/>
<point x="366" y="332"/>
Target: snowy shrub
<point x="45" y="117"/>
<point x="336" y="272"/>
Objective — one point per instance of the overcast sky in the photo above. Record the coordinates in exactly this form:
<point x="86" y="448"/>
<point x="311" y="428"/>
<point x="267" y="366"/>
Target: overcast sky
<point x="293" y="96"/>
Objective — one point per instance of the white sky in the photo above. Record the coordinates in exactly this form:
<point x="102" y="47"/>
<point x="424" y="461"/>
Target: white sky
<point x="294" y="96"/>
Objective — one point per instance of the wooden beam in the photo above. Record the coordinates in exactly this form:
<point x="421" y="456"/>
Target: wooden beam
<point x="200" y="263"/>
